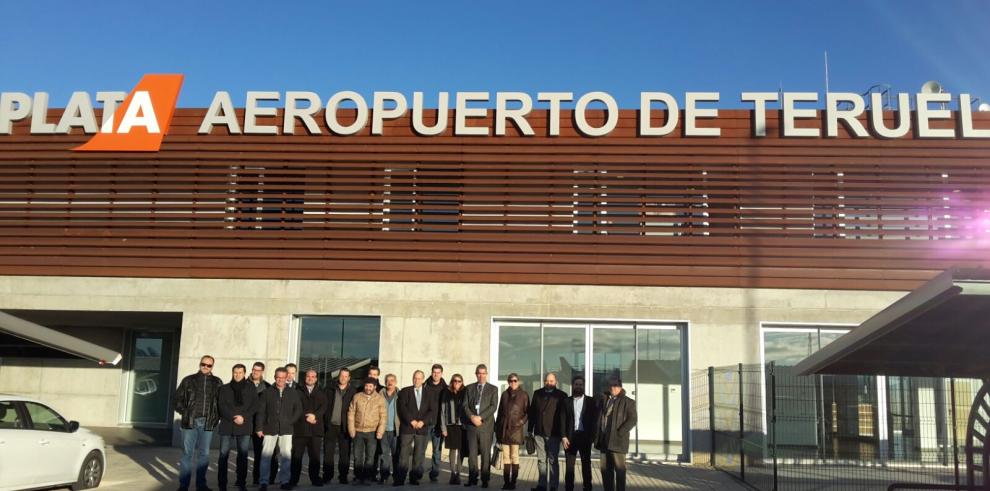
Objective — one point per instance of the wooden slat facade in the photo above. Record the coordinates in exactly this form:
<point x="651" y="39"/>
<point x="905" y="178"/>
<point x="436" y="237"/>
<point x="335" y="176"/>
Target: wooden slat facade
<point x="733" y="211"/>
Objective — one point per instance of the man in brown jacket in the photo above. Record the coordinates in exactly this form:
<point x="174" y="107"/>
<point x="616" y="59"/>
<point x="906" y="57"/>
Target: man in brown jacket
<point x="366" y="424"/>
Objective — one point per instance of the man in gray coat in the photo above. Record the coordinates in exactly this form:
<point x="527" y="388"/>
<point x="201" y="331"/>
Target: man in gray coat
<point x="480" y="405"/>
<point x="618" y="417"/>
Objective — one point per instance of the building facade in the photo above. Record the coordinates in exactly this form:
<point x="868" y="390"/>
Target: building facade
<point x="650" y="258"/>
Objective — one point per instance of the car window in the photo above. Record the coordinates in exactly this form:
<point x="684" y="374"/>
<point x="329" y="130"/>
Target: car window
<point x="9" y="419"/>
<point x="43" y="418"/>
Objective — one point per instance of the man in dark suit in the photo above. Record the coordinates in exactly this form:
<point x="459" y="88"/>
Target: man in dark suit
<point x="480" y="406"/>
<point x="416" y="411"/>
<point x="307" y="436"/>
<point x="546" y="424"/>
<point x="580" y="420"/>
<point x="336" y="438"/>
<point x="618" y="417"/>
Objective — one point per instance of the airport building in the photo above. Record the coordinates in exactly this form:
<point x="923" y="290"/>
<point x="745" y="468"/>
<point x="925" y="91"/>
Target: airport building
<point x="652" y="258"/>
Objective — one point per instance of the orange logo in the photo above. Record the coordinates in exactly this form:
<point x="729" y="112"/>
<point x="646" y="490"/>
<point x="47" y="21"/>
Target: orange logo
<point x="140" y="123"/>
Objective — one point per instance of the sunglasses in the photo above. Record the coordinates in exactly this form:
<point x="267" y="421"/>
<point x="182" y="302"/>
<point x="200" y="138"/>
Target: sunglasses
<point x="513" y="381"/>
<point x="455" y="381"/>
<point x="207" y="365"/>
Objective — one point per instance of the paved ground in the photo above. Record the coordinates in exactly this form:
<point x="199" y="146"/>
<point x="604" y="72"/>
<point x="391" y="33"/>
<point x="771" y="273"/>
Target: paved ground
<point x="146" y="468"/>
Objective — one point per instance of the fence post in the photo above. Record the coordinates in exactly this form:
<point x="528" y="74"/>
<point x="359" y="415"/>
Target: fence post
<point x="955" y="441"/>
<point x="772" y="434"/>
<point x="711" y="413"/>
<point x="742" y="428"/>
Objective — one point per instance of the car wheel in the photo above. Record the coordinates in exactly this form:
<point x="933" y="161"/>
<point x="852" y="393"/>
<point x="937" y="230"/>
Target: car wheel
<point x="91" y="473"/>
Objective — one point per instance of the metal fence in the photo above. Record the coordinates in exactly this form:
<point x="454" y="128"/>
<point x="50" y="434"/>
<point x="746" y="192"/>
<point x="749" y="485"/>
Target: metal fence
<point x="778" y="431"/>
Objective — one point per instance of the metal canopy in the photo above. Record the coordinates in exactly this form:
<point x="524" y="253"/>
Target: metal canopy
<point x="939" y="330"/>
<point x="46" y="336"/>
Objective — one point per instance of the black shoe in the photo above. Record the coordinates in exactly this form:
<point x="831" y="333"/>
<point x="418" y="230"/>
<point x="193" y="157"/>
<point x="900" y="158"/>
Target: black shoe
<point x="183" y="489"/>
<point x="204" y="488"/>
<point x="455" y="479"/>
<point x="343" y="479"/>
<point x="398" y="483"/>
<point x="470" y="482"/>
<point x="484" y="484"/>
<point x="433" y="478"/>
<point x="414" y="482"/>
<point x="263" y="487"/>
<point x="287" y="487"/>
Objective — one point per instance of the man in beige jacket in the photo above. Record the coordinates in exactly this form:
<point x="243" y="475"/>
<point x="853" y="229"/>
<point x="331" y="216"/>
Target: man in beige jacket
<point x="366" y="419"/>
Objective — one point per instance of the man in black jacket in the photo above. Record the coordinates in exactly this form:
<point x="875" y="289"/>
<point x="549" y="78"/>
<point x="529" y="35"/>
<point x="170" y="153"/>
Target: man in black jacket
<point x="237" y="403"/>
<point x="618" y="417"/>
<point x="280" y="408"/>
<point x="196" y="401"/>
<point x="335" y="438"/>
<point x="416" y="410"/>
<point x="580" y="420"/>
<point x="259" y="383"/>
<point x="435" y="385"/>
<point x="546" y="424"/>
<point x="480" y="405"/>
<point x="307" y="436"/>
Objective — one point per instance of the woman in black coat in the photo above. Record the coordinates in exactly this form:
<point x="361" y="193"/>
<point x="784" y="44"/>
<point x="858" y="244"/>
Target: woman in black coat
<point x="509" y="428"/>
<point x="451" y="418"/>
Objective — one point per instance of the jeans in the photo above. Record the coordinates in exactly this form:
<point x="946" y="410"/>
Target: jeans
<point x="436" y="440"/>
<point x="195" y="440"/>
<point x="365" y="444"/>
<point x="613" y="471"/>
<point x="243" y="443"/>
<point x="547" y="449"/>
<point x="284" y="443"/>
<point x="581" y="444"/>
<point x="389" y="453"/>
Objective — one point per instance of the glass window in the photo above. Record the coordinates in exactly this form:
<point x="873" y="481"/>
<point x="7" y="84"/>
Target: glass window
<point x="613" y="356"/>
<point x="519" y="352"/>
<point x="44" y="419"/>
<point x="330" y="343"/>
<point x="9" y="419"/>
<point x="151" y="368"/>
<point x="563" y="354"/>
<point x="658" y="367"/>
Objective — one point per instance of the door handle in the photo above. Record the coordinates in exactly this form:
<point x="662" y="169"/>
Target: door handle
<point x="44" y="442"/>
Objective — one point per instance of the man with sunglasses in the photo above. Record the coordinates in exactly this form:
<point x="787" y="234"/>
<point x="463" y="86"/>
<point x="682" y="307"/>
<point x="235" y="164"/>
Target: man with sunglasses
<point x="196" y="401"/>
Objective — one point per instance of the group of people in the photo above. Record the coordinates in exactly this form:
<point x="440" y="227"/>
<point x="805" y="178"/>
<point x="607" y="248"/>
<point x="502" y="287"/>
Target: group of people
<point x="382" y="428"/>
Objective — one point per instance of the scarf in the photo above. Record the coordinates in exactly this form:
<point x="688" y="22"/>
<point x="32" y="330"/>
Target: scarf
<point x="238" y="388"/>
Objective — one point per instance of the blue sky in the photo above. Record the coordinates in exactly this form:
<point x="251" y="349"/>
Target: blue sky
<point x="623" y="48"/>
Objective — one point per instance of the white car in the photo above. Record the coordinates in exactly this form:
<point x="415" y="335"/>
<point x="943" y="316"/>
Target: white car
<point x="41" y="449"/>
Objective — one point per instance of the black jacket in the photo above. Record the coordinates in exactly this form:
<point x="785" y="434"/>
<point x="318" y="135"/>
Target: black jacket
<point x="546" y="413"/>
<point x="277" y="415"/>
<point x="406" y="409"/>
<point x="228" y="407"/>
<point x="436" y="391"/>
<point x="195" y="390"/>
<point x="345" y="400"/>
<point x="312" y="402"/>
<point x="589" y="416"/>
<point x="614" y="425"/>
<point x="488" y="404"/>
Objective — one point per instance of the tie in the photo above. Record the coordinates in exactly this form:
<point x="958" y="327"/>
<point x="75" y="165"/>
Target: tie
<point x="418" y="399"/>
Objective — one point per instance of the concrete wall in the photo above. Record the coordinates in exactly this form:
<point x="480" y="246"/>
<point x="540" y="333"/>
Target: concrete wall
<point x="422" y="323"/>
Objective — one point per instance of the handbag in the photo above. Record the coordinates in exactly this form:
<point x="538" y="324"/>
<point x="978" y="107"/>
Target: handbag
<point x="496" y="451"/>
<point x="530" y="445"/>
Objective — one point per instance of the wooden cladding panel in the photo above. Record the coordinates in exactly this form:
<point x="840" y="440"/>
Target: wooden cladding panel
<point x="734" y="211"/>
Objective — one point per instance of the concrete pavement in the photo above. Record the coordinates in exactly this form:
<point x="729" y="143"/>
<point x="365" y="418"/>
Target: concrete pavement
<point x="148" y="468"/>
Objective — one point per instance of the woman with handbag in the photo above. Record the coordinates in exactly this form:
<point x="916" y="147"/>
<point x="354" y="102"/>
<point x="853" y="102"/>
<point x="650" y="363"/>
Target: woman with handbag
<point x="510" y="425"/>
<point x="451" y="417"/>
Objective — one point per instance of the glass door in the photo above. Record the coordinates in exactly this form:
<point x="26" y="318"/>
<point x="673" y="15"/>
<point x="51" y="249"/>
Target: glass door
<point x="150" y="378"/>
<point x="647" y="357"/>
<point x="659" y="386"/>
